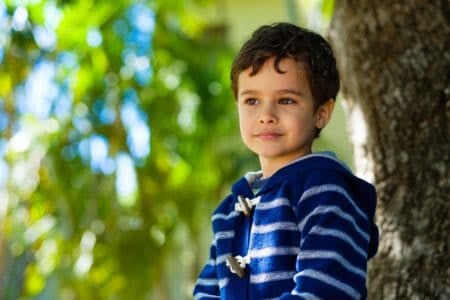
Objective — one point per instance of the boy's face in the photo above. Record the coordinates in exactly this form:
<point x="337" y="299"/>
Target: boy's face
<point x="276" y="113"/>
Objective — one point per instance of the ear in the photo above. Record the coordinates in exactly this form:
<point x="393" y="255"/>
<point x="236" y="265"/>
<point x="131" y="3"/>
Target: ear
<point x="324" y="113"/>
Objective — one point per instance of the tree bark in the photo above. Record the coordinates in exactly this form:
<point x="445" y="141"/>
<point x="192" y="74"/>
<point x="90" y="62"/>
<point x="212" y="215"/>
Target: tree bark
<point x="394" y="61"/>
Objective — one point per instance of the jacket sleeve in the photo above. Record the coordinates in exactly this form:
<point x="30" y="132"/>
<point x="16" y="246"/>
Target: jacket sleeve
<point x="332" y="260"/>
<point x="207" y="285"/>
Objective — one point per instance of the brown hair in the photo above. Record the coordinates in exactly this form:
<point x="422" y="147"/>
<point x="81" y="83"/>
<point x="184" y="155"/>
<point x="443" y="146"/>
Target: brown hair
<point x="284" y="40"/>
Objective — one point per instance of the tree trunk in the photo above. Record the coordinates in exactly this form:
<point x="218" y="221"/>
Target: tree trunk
<point x="394" y="60"/>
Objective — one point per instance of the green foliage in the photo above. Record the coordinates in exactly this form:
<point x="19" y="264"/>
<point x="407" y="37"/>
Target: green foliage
<point x="68" y="232"/>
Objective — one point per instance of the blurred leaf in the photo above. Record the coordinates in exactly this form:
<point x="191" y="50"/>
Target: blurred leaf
<point x="327" y="9"/>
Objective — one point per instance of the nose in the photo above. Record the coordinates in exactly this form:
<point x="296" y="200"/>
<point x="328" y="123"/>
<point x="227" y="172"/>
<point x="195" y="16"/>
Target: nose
<point x="268" y="116"/>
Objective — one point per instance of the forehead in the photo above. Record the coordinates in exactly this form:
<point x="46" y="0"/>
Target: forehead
<point x="288" y="74"/>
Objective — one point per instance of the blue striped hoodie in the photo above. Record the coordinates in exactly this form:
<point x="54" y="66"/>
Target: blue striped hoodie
<point x="309" y="234"/>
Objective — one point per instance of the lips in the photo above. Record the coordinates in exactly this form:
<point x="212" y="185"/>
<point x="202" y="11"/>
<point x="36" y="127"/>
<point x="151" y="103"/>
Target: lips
<point x="268" y="135"/>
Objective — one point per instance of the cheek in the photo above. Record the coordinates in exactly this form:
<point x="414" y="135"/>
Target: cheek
<point x="302" y="125"/>
<point x="244" y="128"/>
<point x="243" y="123"/>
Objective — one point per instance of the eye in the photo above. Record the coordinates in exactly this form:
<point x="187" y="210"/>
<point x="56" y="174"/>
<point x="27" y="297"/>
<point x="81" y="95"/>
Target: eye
<point x="286" y="101"/>
<point x="251" y="101"/>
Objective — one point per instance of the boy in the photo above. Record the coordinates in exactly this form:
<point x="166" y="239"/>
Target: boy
<point x="302" y="227"/>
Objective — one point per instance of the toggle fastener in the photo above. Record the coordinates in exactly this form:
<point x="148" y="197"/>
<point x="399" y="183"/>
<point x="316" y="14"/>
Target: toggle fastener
<point x="237" y="264"/>
<point x="245" y="205"/>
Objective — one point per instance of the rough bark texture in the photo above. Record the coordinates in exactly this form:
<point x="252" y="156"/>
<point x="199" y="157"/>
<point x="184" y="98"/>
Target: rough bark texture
<point x="395" y="65"/>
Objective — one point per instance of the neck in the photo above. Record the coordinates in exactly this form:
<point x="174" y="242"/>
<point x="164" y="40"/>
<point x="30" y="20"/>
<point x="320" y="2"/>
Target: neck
<point x="269" y="165"/>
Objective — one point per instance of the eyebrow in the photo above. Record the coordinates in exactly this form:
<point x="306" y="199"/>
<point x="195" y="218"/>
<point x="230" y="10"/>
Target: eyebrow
<point x="281" y="91"/>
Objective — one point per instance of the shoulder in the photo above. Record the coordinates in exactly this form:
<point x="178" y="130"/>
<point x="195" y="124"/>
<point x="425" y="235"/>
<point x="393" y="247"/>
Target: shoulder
<point x="308" y="171"/>
<point x="315" y="169"/>
<point x="333" y="188"/>
<point x="322" y="168"/>
<point x="327" y="187"/>
<point x="325" y="175"/>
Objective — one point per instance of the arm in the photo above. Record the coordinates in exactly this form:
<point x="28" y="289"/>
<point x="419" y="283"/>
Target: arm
<point x="332" y="261"/>
<point x="207" y="285"/>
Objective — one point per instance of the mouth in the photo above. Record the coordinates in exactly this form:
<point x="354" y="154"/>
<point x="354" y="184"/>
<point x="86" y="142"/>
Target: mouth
<point x="268" y="135"/>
